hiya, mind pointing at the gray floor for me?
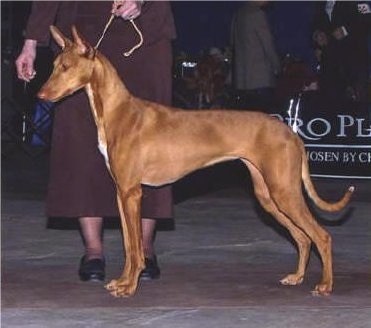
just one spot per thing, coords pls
(220, 266)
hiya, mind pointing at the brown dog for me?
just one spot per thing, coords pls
(147, 143)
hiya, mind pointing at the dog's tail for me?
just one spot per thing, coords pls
(309, 187)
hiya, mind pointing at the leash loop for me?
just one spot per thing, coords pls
(139, 44)
(129, 52)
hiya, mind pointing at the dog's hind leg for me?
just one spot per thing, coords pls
(302, 240)
(301, 216)
(129, 207)
(287, 194)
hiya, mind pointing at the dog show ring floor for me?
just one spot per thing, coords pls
(220, 265)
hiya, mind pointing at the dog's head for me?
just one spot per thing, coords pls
(73, 67)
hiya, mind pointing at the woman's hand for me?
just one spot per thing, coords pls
(25, 61)
(127, 9)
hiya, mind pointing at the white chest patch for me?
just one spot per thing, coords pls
(103, 149)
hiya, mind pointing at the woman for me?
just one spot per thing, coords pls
(80, 185)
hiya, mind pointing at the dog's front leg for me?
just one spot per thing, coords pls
(129, 207)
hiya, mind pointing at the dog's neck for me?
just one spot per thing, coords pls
(104, 88)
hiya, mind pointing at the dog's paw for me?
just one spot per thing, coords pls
(292, 280)
(112, 285)
(120, 289)
(322, 290)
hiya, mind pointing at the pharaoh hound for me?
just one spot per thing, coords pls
(147, 143)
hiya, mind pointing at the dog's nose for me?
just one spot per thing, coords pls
(41, 94)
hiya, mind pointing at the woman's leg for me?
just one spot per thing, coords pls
(151, 271)
(91, 230)
(92, 264)
(148, 231)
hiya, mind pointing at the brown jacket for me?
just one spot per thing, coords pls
(156, 21)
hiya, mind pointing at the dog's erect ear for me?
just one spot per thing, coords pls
(84, 47)
(59, 38)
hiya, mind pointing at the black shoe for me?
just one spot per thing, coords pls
(92, 270)
(151, 271)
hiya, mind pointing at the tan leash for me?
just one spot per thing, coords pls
(127, 53)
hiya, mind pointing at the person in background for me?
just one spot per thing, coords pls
(256, 63)
(80, 185)
(340, 38)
